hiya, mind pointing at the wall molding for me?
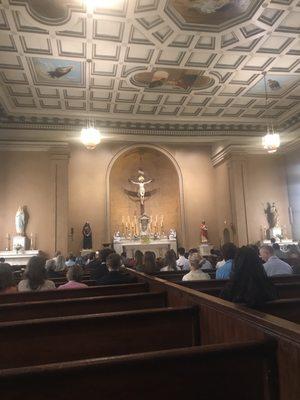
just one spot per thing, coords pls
(53, 147)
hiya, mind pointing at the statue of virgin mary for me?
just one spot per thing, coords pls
(20, 221)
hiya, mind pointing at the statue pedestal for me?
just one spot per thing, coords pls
(85, 252)
(205, 249)
(20, 241)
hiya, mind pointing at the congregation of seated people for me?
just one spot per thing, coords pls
(246, 270)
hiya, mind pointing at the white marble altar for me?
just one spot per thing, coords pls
(20, 258)
(158, 246)
(282, 244)
(20, 241)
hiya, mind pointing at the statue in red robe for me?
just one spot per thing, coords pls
(203, 233)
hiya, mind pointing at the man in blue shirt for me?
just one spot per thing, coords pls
(228, 251)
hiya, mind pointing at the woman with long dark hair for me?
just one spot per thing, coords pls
(7, 282)
(170, 261)
(248, 283)
(150, 263)
(138, 260)
(35, 277)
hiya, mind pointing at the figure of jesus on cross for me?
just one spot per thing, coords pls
(141, 193)
(141, 184)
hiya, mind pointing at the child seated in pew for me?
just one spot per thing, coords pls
(35, 277)
(74, 276)
(195, 273)
(248, 283)
(7, 284)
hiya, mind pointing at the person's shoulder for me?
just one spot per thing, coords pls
(282, 262)
(23, 283)
(206, 276)
(186, 276)
(49, 284)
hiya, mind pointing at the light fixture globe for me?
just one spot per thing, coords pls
(90, 137)
(271, 142)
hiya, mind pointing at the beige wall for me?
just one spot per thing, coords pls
(266, 182)
(26, 181)
(292, 161)
(62, 193)
(224, 214)
(198, 190)
(244, 185)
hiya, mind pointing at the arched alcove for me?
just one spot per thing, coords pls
(167, 200)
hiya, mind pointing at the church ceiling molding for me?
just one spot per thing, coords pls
(195, 62)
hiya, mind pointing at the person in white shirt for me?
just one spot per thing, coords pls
(170, 262)
(273, 265)
(182, 262)
(195, 274)
(220, 263)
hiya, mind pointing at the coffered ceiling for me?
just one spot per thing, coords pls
(179, 67)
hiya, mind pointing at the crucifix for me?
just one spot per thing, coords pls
(141, 195)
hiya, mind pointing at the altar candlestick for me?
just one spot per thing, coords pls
(7, 242)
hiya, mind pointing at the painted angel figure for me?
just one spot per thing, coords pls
(141, 184)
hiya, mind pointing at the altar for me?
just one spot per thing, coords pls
(20, 258)
(158, 246)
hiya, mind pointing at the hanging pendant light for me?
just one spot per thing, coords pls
(90, 136)
(271, 141)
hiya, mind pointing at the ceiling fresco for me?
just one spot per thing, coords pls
(214, 13)
(173, 80)
(190, 67)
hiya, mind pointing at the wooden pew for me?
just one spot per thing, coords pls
(175, 276)
(42, 341)
(224, 322)
(88, 282)
(287, 308)
(213, 287)
(80, 306)
(105, 290)
(234, 371)
(62, 280)
(288, 290)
